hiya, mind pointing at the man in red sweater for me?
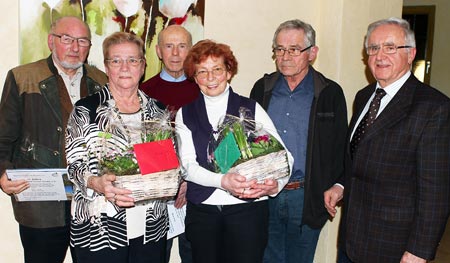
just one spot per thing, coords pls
(172, 88)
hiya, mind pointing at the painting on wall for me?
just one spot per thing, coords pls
(145, 18)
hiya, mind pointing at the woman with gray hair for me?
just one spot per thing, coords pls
(107, 225)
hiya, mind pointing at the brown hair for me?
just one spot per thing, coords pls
(208, 48)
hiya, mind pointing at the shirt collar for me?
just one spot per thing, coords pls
(305, 84)
(167, 77)
(394, 87)
(78, 74)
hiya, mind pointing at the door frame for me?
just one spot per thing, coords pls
(429, 10)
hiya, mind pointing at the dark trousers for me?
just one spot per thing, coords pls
(229, 233)
(135, 252)
(45, 245)
(184, 248)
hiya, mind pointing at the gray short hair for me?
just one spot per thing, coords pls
(121, 38)
(298, 25)
(403, 24)
(55, 24)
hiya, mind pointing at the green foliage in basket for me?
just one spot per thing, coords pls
(125, 163)
(120, 163)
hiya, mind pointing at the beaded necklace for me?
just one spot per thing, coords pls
(125, 127)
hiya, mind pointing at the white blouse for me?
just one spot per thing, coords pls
(216, 109)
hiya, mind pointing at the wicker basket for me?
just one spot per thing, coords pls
(160, 185)
(270, 166)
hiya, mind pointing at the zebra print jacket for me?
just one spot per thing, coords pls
(97, 223)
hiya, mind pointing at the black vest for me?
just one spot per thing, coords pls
(196, 119)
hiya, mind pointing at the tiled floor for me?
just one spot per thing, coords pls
(443, 253)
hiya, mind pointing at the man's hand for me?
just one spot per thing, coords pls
(331, 197)
(181, 197)
(12, 187)
(410, 258)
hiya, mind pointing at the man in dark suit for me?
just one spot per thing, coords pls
(396, 189)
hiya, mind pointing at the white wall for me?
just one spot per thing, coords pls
(248, 26)
(10, 248)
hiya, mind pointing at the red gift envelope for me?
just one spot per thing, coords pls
(156, 156)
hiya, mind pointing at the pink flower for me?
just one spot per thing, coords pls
(262, 138)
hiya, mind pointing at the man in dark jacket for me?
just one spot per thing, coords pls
(310, 114)
(36, 102)
(397, 184)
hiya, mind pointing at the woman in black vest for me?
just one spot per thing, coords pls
(227, 216)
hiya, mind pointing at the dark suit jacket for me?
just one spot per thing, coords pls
(397, 185)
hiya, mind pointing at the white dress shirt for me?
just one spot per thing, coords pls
(391, 90)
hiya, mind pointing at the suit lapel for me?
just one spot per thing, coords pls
(88, 86)
(50, 93)
(360, 102)
(396, 110)
(358, 105)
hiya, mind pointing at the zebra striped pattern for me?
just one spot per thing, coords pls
(97, 223)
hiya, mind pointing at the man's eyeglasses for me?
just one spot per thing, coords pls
(118, 62)
(292, 51)
(387, 49)
(203, 74)
(66, 39)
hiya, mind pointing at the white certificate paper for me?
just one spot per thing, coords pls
(45, 184)
(176, 220)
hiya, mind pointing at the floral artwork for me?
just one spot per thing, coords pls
(145, 18)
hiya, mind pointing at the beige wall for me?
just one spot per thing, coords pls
(10, 248)
(248, 26)
(440, 67)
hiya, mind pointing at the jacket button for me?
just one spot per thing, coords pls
(59, 129)
(43, 86)
(55, 153)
